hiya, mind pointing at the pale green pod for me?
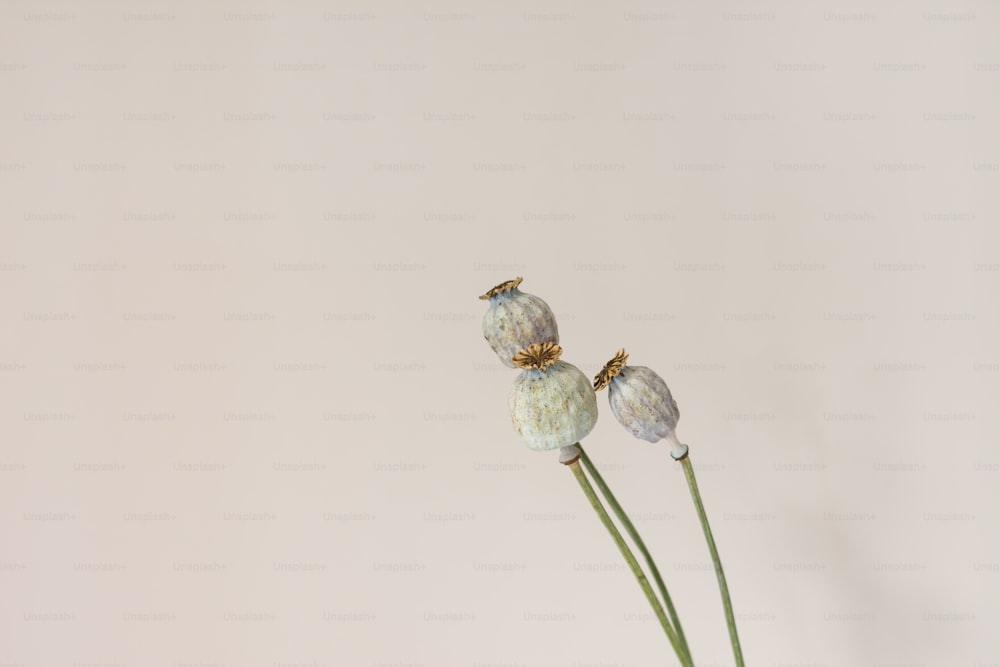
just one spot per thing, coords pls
(639, 399)
(515, 320)
(552, 403)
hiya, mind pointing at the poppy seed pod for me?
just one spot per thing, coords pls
(515, 320)
(639, 398)
(552, 403)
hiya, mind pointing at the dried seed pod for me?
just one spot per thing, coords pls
(639, 398)
(552, 403)
(515, 320)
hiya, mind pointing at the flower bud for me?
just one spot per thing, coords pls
(515, 320)
(639, 398)
(552, 403)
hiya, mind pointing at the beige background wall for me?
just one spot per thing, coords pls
(247, 415)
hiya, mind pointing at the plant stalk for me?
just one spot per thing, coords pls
(727, 603)
(634, 534)
(626, 552)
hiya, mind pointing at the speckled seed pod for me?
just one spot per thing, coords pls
(639, 398)
(552, 404)
(515, 320)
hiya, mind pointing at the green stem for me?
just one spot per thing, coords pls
(634, 534)
(633, 564)
(723, 588)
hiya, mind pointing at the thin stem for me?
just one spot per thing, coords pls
(633, 564)
(634, 534)
(723, 588)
